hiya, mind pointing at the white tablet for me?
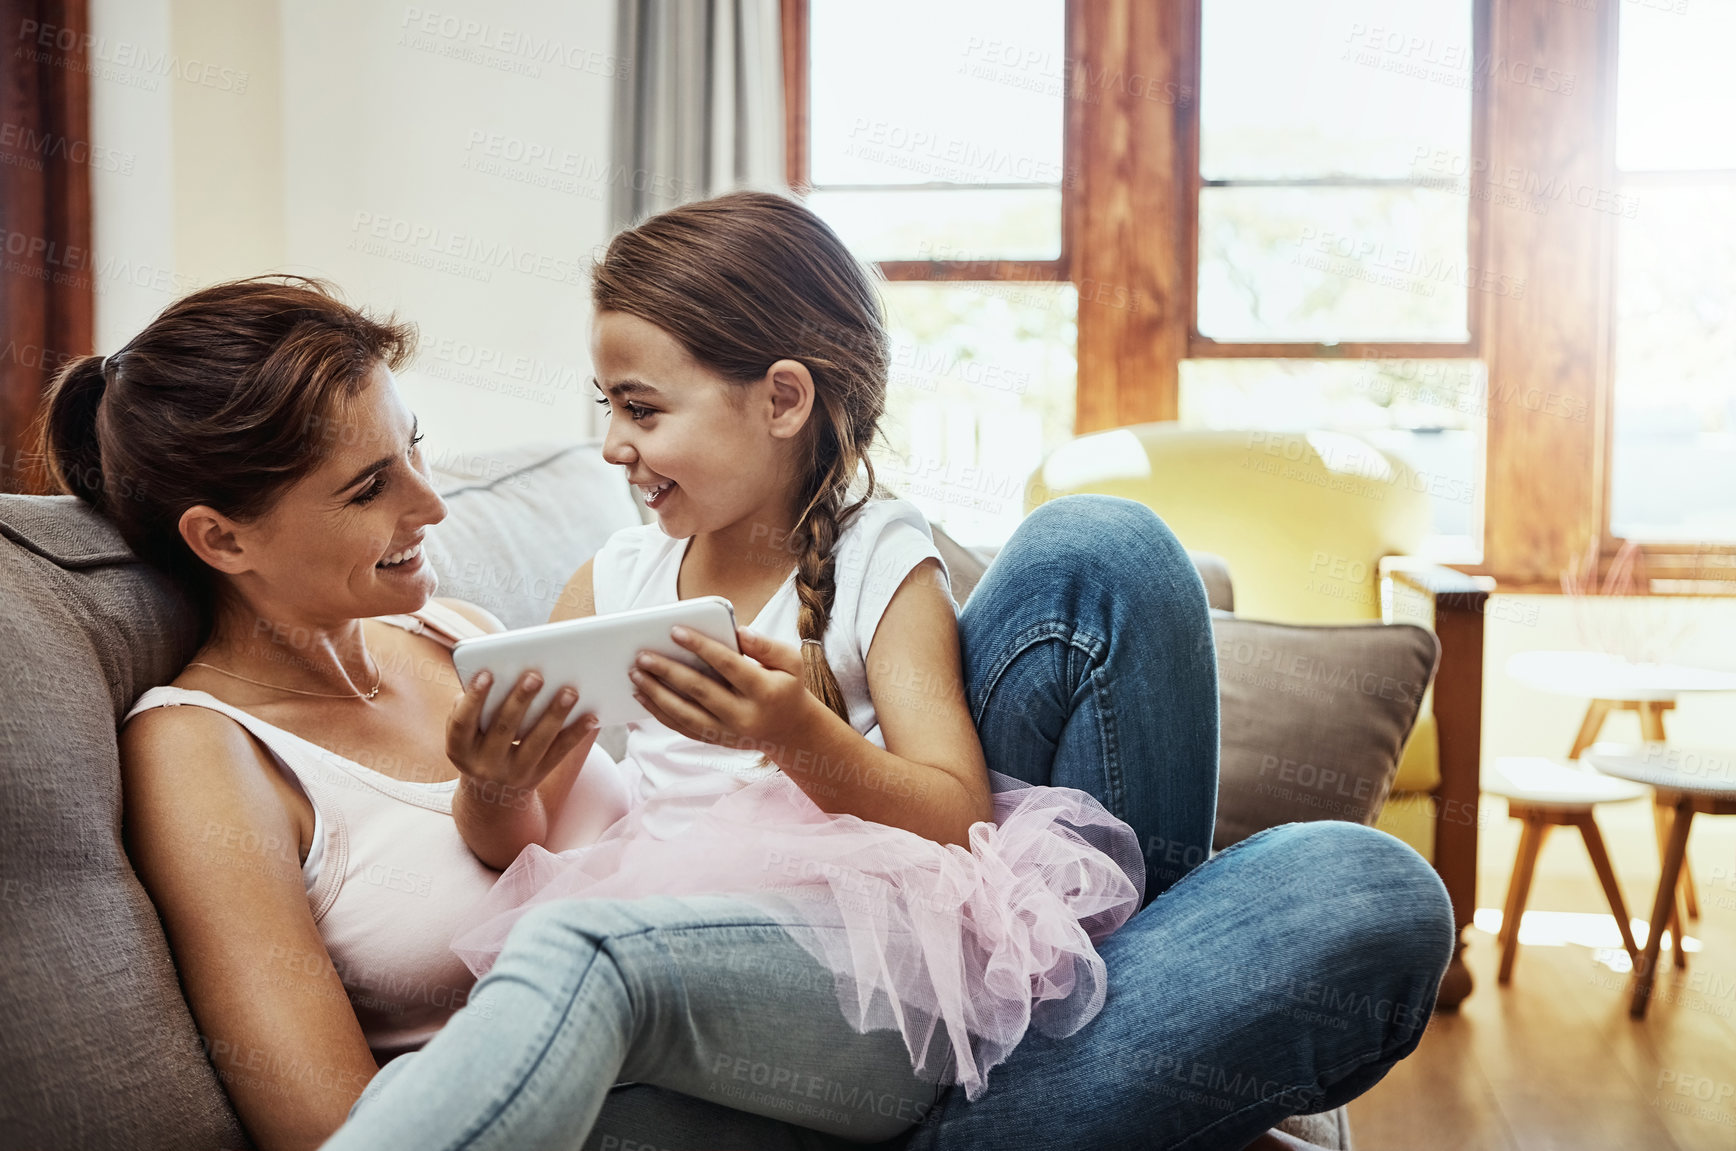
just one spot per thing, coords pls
(592, 654)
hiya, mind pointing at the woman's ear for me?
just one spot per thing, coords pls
(214, 538)
(792, 387)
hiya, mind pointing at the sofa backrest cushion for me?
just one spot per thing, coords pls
(519, 523)
(1313, 718)
(98, 1049)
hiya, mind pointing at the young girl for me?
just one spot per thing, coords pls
(832, 774)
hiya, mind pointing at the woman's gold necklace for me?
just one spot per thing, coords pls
(379, 678)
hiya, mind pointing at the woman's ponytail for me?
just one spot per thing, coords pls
(70, 441)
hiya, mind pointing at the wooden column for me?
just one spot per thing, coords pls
(1550, 106)
(1132, 93)
(794, 15)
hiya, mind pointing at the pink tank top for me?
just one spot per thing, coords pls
(388, 875)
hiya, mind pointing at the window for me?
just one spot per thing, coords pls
(1334, 150)
(1405, 219)
(1334, 216)
(1673, 447)
(953, 181)
(960, 157)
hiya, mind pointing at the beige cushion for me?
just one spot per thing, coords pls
(1313, 718)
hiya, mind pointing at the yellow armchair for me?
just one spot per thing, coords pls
(1320, 528)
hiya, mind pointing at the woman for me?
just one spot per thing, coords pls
(252, 442)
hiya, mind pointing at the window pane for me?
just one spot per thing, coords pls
(973, 103)
(1008, 224)
(1335, 88)
(1674, 100)
(1673, 462)
(981, 388)
(1428, 413)
(1336, 264)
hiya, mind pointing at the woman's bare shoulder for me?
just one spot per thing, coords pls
(173, 736)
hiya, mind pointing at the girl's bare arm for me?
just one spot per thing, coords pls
(932, 778)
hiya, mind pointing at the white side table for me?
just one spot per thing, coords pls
(1688, 780)
(1615, 684)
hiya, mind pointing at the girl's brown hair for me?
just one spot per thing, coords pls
(744, 280)
(225, 399)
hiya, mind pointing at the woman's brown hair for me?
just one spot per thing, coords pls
(225, 399)
(744, 280)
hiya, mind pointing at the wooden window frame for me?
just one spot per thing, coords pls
(1131, 167)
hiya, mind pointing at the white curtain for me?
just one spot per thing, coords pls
(701, 110)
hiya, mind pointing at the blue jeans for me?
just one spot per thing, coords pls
(1283, 975)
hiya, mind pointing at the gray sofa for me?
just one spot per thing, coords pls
(99, 1049)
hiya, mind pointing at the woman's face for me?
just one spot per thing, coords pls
(724, 448)
(322, 552)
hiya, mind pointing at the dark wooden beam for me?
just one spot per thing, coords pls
(47, 295)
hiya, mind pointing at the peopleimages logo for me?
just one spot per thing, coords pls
(502, 47)
(41, 42)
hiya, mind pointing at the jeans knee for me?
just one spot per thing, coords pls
(555, 942)
(1108, 537)
(1393, 900)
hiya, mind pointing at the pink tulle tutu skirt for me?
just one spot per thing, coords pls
(983, 943)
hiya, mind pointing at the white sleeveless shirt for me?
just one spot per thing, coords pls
(638, 566)
(388, 876)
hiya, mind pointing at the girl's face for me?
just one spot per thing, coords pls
(705, 452)
(322, 552)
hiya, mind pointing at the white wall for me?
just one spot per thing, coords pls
(449, 163)
(133, 185)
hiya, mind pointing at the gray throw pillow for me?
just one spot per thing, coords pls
(1313, 719)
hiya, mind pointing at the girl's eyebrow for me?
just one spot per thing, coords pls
(628, 388)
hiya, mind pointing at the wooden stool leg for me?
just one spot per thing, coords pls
(1590, 726)
(1652, 730)
(1530, 842)
(1606, 875)
(1678, 926)
(1674, 851)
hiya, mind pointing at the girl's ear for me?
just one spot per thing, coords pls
(792, 388)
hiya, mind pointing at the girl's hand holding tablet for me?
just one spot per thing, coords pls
(761, 699)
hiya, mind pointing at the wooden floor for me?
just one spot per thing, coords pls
(1552, 1060)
